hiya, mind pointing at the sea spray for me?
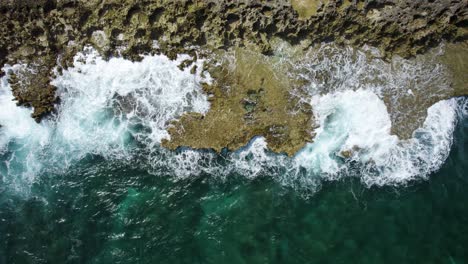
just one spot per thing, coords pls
(348, 121)
(120, 110)
(107, 109)
(407, 86)
(355, 130)
(107, 99)
(21, 138)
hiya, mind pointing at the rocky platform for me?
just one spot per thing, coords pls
(46, 34)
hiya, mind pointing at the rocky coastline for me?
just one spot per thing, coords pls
(46, 34)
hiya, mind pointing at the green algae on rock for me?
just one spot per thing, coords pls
(249, 98)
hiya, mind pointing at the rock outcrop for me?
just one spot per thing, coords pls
(47, 33)
(249, 98)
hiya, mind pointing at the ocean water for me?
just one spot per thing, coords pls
(92, 185)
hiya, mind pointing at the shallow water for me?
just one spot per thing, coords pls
(92, 185)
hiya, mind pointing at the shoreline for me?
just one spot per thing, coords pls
(47, 34)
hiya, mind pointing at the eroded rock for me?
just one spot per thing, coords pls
(52, 31)
(31, 87)
(249, 98)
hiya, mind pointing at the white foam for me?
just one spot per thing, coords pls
(107, 108)
(16, 121)
(347, 87)
(103, 100)
(253, 159)
(120, 110)
(358, 122)
(347, 120)
(21, 132)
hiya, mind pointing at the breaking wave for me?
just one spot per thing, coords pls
(120, 110)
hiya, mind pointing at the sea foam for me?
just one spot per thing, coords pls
(120, 110)
(355, 130)
(107, 109)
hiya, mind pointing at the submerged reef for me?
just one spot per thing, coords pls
(249, 97)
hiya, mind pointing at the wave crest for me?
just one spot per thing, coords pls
(120, 110)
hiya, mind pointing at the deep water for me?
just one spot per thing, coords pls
(103, 212)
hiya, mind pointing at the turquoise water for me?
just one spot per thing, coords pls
(91, 184)
(104, 212)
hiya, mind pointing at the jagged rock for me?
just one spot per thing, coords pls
(31, 87)
(53, 31)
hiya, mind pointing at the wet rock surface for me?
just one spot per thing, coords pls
(456, 59)
(249, 98)
(31, 88)
(46, 34)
